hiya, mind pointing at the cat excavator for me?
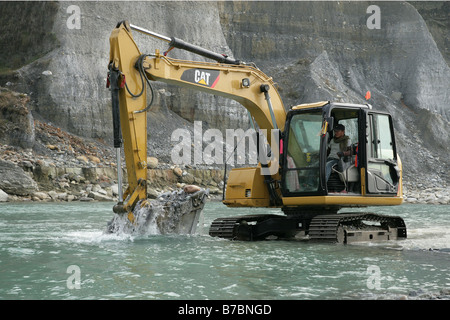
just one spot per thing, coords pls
(292, 145)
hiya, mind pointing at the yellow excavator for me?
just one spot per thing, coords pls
(293, 172)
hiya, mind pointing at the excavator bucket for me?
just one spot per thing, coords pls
(176, 212)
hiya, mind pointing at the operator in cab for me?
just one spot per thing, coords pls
(337, 148)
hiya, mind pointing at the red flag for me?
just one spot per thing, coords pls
(367, 95)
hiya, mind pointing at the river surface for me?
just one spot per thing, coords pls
(60, 251)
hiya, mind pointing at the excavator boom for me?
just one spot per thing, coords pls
(242, 83)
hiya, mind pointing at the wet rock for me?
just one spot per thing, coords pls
(115, 189)
(3, 196)
(96, 188)
(86, 199)
(53, 195)
(62, 196)
(99, 196)
(102, 192)
(41, 195)
(14, 180)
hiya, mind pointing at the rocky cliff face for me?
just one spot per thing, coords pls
(313, 50)
(400, 60)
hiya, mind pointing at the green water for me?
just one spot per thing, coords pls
(46, 247)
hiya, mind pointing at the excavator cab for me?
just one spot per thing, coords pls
(370, 166)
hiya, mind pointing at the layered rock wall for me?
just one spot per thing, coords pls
(313, 50)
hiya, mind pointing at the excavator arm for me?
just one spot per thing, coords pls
(227, 77)
(128, 94)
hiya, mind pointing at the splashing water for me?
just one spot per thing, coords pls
(176, 212)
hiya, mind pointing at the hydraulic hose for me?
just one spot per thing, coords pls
(140, 67)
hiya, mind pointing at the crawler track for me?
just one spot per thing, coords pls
(353, 227)
(253, 227)
(334, 228)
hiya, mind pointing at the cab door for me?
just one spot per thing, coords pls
(303, 143)
(382, 172)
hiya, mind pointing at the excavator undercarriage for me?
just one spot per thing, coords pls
(331, 228)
